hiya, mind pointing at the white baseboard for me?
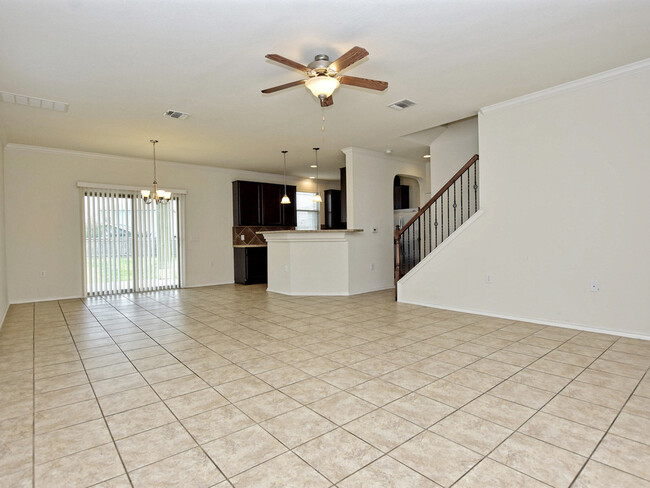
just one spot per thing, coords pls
(564, 325)
(209, 284)
(348, 294)
(38, 300)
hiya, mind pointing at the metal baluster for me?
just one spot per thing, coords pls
(425, 233)
(448, 232)
(461, 199)
(475, 190)
(429, 213)
(418, 240)
(442, 217)
(454, 206)
(469, 194)
(435, 221)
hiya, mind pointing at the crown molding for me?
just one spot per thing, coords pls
(591, 80)
(240, 173)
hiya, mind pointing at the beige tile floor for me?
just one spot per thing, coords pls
(231, 386)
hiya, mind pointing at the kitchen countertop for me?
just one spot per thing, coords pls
(307, 231)
(249, 245)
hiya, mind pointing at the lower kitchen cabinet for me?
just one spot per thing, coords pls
(250, 265)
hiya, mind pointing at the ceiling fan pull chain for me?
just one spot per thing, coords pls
(322, 127)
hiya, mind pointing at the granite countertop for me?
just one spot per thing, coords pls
(307, 231)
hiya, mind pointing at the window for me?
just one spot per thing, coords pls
(129, 245)
(307, 211)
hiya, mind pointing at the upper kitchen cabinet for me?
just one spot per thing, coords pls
(258, 204)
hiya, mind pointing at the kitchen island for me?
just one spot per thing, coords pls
(311, 262)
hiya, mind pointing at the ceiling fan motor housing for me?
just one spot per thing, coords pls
(320, 65)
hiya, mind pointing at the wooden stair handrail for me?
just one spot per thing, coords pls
(447, 185)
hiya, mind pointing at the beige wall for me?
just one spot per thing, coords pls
(451, 149)
(43, 222)
(4, 302)
(369, 179)
(564, 193)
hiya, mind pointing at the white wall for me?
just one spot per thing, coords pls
(451, 149)
(564, 192)
(369, 181)
(43, 221)
(4, 301)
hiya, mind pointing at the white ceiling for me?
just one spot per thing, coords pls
(120, 64)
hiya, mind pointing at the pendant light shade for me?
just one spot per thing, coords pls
(285, 199)
(322, 85)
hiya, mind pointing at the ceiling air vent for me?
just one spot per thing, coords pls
(175, 114)
(402, 104)
(34, 102)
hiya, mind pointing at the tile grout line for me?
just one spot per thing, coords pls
(539, 410)
(163, 402)
(607, 432)
(96, 398)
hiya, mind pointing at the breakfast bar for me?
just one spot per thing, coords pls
(310, 262)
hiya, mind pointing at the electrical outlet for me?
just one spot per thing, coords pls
(42, 274)
(488, 279)
(594, 285)
(242, 237)
(372, 266)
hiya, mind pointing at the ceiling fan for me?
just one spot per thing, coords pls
(324, 75)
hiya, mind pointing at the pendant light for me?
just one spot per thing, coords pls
(285, 199)
(158, 196)
(317, 197)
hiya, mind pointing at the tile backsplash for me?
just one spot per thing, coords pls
(251, 238)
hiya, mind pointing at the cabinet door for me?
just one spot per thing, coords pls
(247, 203)
(289, 216)
(271, 211)
(256, 265)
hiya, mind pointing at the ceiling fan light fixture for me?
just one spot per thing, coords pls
(322, 85)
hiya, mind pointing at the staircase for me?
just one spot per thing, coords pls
(447, 210)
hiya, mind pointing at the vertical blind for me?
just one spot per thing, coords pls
(130, 246)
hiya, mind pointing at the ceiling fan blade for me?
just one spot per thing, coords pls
(287, 62)
(352, 56)
(363, 83)
(326, 102)
(282, 87)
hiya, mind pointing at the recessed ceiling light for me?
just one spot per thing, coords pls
(312, 177)
(314, 166)
(388, 151)
(426, 156)
(34, 102)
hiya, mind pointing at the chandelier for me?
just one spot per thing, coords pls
(158, 196)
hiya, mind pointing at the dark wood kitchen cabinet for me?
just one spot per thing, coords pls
(250, 265)
(333, 210)
(246, 203)
(258, 204)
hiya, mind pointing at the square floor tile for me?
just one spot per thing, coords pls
(286, 471)
(382, 429)
(342, 407)
(524, 453)
(437, 458)
(419, 409)
(386, 473)
(188, 469)
(337, 454)
(298, 426)
(216, 423)
(243, 450)
(472, 432)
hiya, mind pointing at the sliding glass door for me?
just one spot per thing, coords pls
(129, 245)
